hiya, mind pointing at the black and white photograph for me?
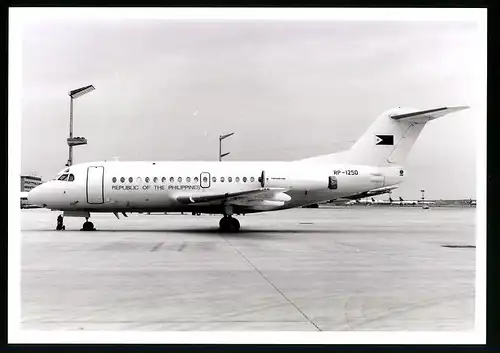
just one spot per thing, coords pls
(262, 175)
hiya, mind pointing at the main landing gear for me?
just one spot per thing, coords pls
(229, 224)
(87, 226)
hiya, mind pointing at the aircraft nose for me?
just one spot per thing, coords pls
(34, 196)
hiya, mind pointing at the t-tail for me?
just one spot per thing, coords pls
(389, 139)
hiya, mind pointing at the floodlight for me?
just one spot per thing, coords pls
(227, 135)
(81, 91)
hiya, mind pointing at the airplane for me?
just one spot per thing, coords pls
(407, 202)
(414, 202)
(382, 202)
(359, 201)
(403, 202)
(231, 188)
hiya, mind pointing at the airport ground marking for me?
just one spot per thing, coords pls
(271, 283)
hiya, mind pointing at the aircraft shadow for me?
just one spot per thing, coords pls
(216, 231)
(213, 231)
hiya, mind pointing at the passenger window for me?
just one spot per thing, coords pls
(205, 179)
(122, 179)
(114, 180)
(195, 179)
(252, 179)
(237, 179)
(179, 179)
(171, 179)
(139, 179)
(163, 179)
(188, 179)
(130, 179)
(63, 177)
(229, 179)
(146, 179)
(214, 179)
(155, 179)
(221, 179)
(71, 177)
(244, 179)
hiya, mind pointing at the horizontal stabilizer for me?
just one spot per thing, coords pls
(427, 115)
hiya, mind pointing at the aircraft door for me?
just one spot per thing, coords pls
(95, 185)
(205, 180)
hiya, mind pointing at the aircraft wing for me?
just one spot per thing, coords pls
(427, 115)
(260, 194)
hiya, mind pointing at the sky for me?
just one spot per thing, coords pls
(166, 89)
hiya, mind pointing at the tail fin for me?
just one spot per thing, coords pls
(400, 198)
(390, 199)
(390, 138)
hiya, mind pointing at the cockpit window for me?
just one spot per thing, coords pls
(71, 177)
(63, 177)
(60, 174)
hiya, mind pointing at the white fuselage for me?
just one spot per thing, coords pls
(122, 186)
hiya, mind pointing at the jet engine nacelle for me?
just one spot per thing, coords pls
(311, 184)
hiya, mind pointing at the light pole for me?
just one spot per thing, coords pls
(75, 141)
(222, 137)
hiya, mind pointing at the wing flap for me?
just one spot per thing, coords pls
(254, 194)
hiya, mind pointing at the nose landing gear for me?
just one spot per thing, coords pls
(87, 226)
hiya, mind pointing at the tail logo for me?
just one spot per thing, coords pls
(384, 140)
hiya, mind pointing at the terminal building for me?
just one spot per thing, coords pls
(29, 182)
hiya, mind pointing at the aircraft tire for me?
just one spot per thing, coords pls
(234, 225)
(88, 226)
(229, 224)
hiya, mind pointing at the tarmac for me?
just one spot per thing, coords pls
(327, 269)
